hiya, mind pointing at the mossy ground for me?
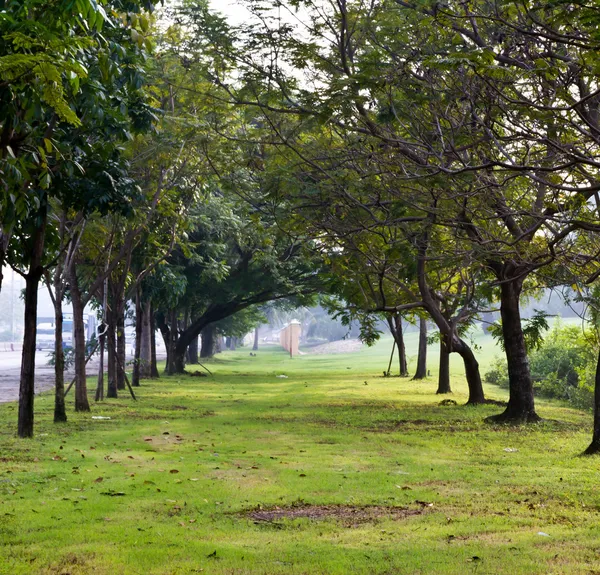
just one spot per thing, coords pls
(162, 486)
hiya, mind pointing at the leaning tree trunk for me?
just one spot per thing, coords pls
(594, 447)
(255, 346)
(421, 372)
(444, 373)
(81, 399)
(476, 395)
(153, 365)
(208, 341)
(520, 406)
(32, 280)
(60, 413)
(111, 345)
(139, 320)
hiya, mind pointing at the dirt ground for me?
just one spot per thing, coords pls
(341, 346)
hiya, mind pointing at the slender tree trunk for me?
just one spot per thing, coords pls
(395, 325)
(60, 413)
(444, 373)
(111, 345)
(145, 355)
(139, 319)
(81, 398)
(476, 395)
(100, 384)
(175, 361)
(121, 343)
(193, 352)
(520, 407)
(255, 346)
(32, 280)
(153, 366)
(594, 446)
(207, 348)
(421, 372)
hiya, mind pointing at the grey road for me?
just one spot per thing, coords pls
(10, 369)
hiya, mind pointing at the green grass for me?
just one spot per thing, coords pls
(121, 496)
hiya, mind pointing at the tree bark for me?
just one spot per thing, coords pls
(139, 319)
(193, 352)
(395, 325)
(175, 363)
(232, 343)
(594, 446)
(255, 346)
(111, 345)
(153, 366)
(81, 398)
(421, 372)
(208, 341)
(520, 408)
(444, 373)
(60, 413)
(32, 280)
(145, 356)
(100, 384)
(476, 395)
(121, 343)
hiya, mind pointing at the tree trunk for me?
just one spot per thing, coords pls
(421, 372)
(255, 346)
(153, 367)
(476, 395)
(100, 384)
(121, 343)
(232, 343)
(139, 319)
(111, 345)
(81, 399)
(520, 407)
(208, 341)
(145, 355)
(395, 325)
(444, 373)
(32, 280)
(175, 362)
(60, 413)
(594, 447)
(193, 352)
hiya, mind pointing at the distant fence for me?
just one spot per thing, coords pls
(289, 338)
(10, 346)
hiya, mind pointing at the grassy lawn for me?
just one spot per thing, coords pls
(188, 479)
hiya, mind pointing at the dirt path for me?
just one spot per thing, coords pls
(341, 346)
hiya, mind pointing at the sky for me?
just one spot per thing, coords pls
(231, 9)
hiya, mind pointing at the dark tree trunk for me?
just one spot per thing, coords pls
(32, 280)
(255, 346)
(594, 447)
(193, 352)
(421, 372)
(145, 355)
(444, 373)
(175, 362)
(81, 398)
(111, 345)
(395, 325)
(121, 343)
(60, 413)
(139, 319)
(208, 341)
(153, 366)
(232, 343)
(476, 395)
(520, 407)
